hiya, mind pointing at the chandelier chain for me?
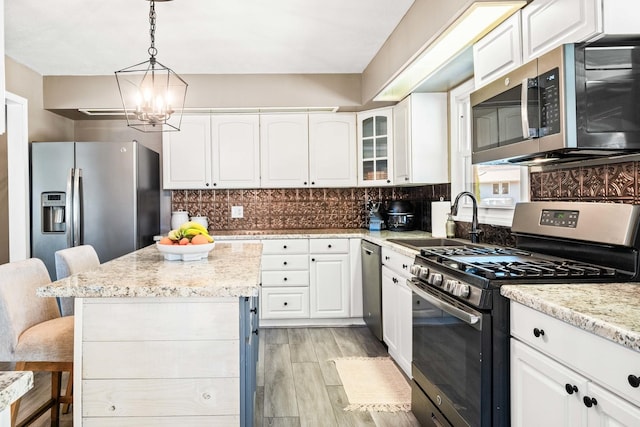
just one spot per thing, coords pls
(152, 29)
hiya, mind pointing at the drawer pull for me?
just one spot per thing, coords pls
(387, 258)
(538, 332)
(284, 247)
(571, 388)
(313, 260)
(112, 408)
(285, 279)
(206, 396)
(286, 303)
(405, 266)
(633, 381)
(589, 401)
(254, 310)
(285, 263)
(394, 280)
(255, 331)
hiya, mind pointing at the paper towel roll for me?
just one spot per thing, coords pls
(439, 211)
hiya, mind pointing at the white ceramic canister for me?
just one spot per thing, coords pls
(178, 218)
(202, 220)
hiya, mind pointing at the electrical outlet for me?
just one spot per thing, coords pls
(237, 212)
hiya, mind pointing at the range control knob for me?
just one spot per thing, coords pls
(415, 269)
(424, 273)
(450, 285)
(464, 290)
(435, 279)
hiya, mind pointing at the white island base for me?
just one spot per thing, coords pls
(158, 362)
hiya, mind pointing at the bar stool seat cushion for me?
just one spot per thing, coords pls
(49, 340)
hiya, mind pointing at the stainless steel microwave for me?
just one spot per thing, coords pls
(577, 101)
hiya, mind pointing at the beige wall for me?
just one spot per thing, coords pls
(422, 23)
(43, 125)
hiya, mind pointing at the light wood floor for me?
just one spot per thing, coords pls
(297, 383)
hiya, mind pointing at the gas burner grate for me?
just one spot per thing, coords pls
(535, 268)
(471, 251)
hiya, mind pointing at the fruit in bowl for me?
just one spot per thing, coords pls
(190, 242)
(189, 233)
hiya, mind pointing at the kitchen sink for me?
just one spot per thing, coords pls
(426, 243)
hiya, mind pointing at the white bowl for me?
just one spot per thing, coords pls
(185, 252)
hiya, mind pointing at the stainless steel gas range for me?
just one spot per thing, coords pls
(461, 322)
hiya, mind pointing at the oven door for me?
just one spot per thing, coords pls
(451, 356)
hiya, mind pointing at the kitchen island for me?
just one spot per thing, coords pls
(165, 342)
(13, 385)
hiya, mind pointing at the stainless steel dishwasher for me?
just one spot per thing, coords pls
(372, 287)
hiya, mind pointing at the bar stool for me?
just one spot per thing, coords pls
(71, 261)
(32, 332)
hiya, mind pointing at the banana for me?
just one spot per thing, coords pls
(193, 225)
(174, 235)
(190, 232)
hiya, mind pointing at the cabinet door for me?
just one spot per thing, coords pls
(539, 395)
(498, 52)
(375, 152)
(284, 153)
(235, 151)
(332, 150)
(329, 285)
(610, 410)
(405, 326)
(186, 154)
(549, 23)
(389, 311)
(401, 142)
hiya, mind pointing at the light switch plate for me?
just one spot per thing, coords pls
(237, 212)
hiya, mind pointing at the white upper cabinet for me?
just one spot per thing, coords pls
(186, 154)
(375, 151)
(420, 140)
(332, 150)
(284, 140)
(498, 52)
(235, 150)
(550, 23)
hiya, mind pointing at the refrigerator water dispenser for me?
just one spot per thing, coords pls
(53, 212)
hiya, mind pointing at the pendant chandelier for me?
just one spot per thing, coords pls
(153, 95)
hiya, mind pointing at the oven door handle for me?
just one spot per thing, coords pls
(468, 318)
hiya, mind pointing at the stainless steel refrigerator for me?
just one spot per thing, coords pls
(104, 194)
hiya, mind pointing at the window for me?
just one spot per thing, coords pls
(497, 187)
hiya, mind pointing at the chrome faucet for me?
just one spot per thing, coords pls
(475, 231)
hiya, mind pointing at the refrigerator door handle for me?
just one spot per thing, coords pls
(77, 198)
(68, 208)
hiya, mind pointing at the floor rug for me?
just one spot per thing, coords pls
(374, 384)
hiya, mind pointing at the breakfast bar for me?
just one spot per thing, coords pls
(162, 342)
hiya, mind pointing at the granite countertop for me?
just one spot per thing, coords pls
(13, 385)
(232, 269)
(610, 310)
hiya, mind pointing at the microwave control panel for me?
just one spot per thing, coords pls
(559, 218)
(549, 87)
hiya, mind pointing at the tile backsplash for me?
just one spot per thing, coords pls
(302, 208)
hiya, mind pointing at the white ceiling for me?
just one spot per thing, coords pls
(98, 37)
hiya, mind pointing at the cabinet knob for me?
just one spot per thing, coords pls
(633, 381)
(329, 246)
(286, 303)
(284, 247)
(394, 280)
(405, 266)
(206, 184)
(387, 258)
(206, 396)
(313, 260)
(285, 279)
(254, 310)
(305, 183)
(215, 184)
(112, 408)
(571, 388)
(538, 332)
(285, 263)
(589, 401)
(255, 331)
(313, 183)
(388, 181)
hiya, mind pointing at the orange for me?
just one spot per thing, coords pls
(166, 241)
(199, 239)
(184, 241)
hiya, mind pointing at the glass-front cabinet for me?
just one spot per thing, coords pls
(375, 147)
